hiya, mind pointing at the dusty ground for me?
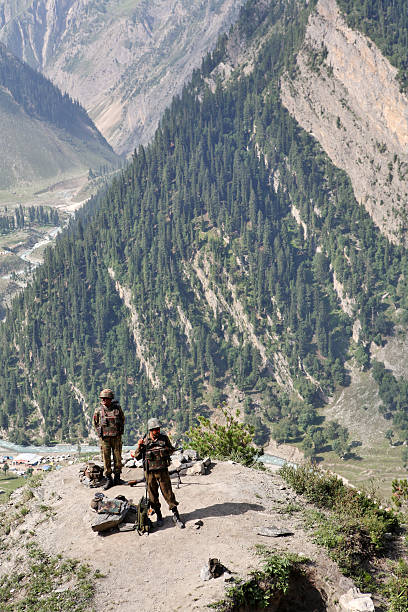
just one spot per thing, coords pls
(161, 571)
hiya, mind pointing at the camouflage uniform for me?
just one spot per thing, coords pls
(109, 423)
(157, 459)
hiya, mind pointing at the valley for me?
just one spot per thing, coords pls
(22, 249)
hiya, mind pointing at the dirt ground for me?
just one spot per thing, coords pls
(161, 571)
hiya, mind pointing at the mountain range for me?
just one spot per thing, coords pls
(123, 60)
(253, 252)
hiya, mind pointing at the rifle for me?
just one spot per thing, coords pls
(136, 481)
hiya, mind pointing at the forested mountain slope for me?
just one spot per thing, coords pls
(124, 60)
(43, 132)
(231, 256)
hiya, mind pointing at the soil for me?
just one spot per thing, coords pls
(161, 571)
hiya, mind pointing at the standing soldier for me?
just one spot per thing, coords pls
(156, 448)
(109, 422)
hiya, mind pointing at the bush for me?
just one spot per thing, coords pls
(396, 589)
(354, 528)
(232, 440)
(264, 587)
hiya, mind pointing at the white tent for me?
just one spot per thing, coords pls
(27, 458)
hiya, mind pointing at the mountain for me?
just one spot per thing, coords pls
(123, 60)
(44, 133)
(234, 258)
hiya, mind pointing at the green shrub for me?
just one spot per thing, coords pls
(264, 587)
(396, 589)
(47, 584)
(353, 526)
(231, 440)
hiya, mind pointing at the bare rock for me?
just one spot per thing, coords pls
(190, 455)
(354, 601)
(273, 532)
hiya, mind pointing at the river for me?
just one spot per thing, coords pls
(47, 239)
(9, 447)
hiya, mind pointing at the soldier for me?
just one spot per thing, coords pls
(156, 448)
(109, 422)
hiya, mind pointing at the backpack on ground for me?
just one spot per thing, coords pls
(143, 523)
(91, 474)
(109, 512)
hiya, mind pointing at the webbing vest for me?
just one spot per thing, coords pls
(111, 420)
(157, 454)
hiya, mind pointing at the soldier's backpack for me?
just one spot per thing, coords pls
(91, 474)
(143, 523)
(109, 512)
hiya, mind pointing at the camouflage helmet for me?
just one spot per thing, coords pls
(106, 393)
(153, 424)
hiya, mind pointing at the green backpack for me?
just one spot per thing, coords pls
(143, 523)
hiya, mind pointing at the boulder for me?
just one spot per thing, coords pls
(190, 455)
(197, 468)
(354, 601)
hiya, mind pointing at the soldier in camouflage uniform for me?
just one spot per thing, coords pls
(155, 448)
(109, 422)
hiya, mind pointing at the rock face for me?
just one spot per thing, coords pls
(346, 94)
(122, 60)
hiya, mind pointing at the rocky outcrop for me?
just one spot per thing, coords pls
(123, 61)
(346, 94)
(125, 295)
(273, 360)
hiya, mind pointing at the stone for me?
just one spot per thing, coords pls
(190, 455)
(207, 462)
(355, 601)
(273, 532)
(228, 577)
(205, 573)
(197, 468)
(176, 463)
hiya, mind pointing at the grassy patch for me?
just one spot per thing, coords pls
(46, 584)
(396, 587)
(10, 484)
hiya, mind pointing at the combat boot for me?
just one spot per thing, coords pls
(176, 519)
(159, 518)
(108, 484)
(117, 480)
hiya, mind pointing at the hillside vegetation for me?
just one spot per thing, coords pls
(230, 254)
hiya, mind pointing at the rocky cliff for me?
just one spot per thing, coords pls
(346, 94)
(123, 60)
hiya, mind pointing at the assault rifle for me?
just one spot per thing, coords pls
(133, 483)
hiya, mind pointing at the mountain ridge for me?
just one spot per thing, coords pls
(124, 61)
(230, 254)
(45, 133)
